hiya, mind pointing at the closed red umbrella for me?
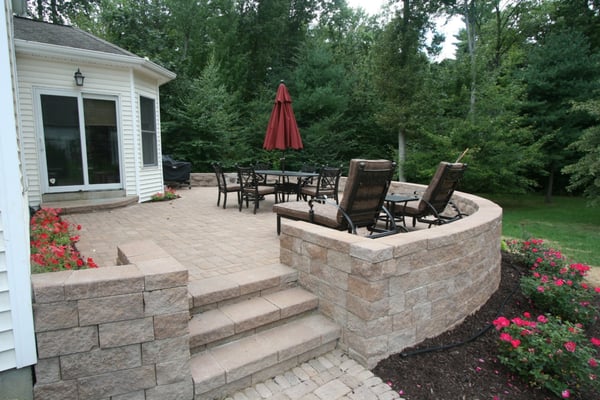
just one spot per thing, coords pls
(282, 130)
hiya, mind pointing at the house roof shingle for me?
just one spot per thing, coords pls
(63, 35)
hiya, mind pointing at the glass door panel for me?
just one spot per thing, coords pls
(102, 141)
(62, 140)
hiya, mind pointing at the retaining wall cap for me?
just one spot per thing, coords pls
(487, 211)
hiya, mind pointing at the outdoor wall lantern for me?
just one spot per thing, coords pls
(78, 77)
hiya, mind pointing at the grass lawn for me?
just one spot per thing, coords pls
(566, 224)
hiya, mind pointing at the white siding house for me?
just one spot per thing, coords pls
(61, 138)
(102, 136)
(17, 343)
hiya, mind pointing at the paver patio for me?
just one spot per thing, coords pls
(211, 241)
(207, 239)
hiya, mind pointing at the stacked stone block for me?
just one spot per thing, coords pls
(114, 333)
(393, 292)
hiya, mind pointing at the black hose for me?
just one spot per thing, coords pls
(472, 338)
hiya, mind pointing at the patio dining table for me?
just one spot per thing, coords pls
(284, 186)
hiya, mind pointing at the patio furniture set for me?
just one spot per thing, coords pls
(365, 201)
(256, 182)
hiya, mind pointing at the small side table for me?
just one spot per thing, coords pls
(392, 200)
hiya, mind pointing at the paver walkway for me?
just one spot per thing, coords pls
(213, 241)
(329, 377)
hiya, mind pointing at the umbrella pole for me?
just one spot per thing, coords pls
(282, 161)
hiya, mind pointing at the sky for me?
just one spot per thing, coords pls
(450, 29)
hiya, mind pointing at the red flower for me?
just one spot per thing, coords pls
(501, 322)
(570, 346)
(505, 337)
(595, 341)
(593, 363)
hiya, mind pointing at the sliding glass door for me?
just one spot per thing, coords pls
(80, 142)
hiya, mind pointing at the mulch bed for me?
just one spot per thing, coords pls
(469, 371)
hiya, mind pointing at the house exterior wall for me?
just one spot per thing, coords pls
(150, 177)
(17, 343)
(35, 74)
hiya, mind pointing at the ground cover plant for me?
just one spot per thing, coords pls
(53, 243)
(168, 194)
(512, 348)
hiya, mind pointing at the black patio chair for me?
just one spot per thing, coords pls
(327, 185)
(251, 188)
(224, 187)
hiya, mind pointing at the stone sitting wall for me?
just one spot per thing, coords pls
(118, 333)
(393, 292)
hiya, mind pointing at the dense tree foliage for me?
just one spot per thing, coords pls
(521, 93)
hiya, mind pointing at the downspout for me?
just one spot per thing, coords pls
(135, 120)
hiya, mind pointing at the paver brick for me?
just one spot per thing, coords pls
(63, 390)
(183, 390)
(251, 314)
(51, 316)
(332, 390)
(110, 309)
(66, 341)
(171, 325)
(47, 370)
(263, 390)
(104, 282)
(116, 334)
(166, 301)
(117, 382)
(166, 350)
(99, 361)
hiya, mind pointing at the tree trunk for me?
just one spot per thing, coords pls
(40, 10)
(470, 23)
(401, 155)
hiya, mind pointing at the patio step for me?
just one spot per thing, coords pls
(250, 326)
(224, 369)
(210, 293)
(231, 321)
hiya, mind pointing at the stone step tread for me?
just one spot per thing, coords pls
(235, 318)
(240, 359)
(222, 288)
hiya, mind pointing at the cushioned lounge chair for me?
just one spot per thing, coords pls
(362, 201)
(224, 187)
(434, 206)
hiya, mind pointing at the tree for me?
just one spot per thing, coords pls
(585, 173)
(202, 127)
(62, 11)
(401, 68)
(561, 70)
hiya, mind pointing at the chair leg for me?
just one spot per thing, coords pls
(278, 224)
(219, 199)
(225, 200)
